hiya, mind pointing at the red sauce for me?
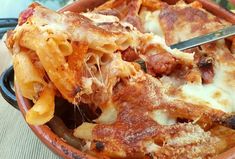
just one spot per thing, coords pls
(25, 15)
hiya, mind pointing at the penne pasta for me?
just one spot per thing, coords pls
(29, 79)
(43, 109)
(54, 63)
(90, 58)
(75, 60)
(84, 131)
(65, 48)
(106, 47)
(105, 59)
(57, 69)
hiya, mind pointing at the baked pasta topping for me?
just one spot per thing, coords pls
(178, 107)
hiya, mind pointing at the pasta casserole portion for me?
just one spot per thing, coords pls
(178, 107)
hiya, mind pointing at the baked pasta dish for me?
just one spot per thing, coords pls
(180, 105)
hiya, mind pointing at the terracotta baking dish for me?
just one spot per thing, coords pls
(59, 146)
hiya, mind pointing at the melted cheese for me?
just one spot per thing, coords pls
(162, 117)
(119, 68)
(109, 114)
(218, 95)
(151, 147)
(195, 135)
(186, 57)
(51, 23)
(208, 95)
(151, 22)
(100, 18)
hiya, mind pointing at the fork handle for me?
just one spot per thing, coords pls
(8, 22)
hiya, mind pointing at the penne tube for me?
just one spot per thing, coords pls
(105, 59)
(54, 63)
(75, 60)
(107, 48)
(84, 131)
(28, 77)
(43, 109)
(57, 69)
(65, 48)
(90, 58)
